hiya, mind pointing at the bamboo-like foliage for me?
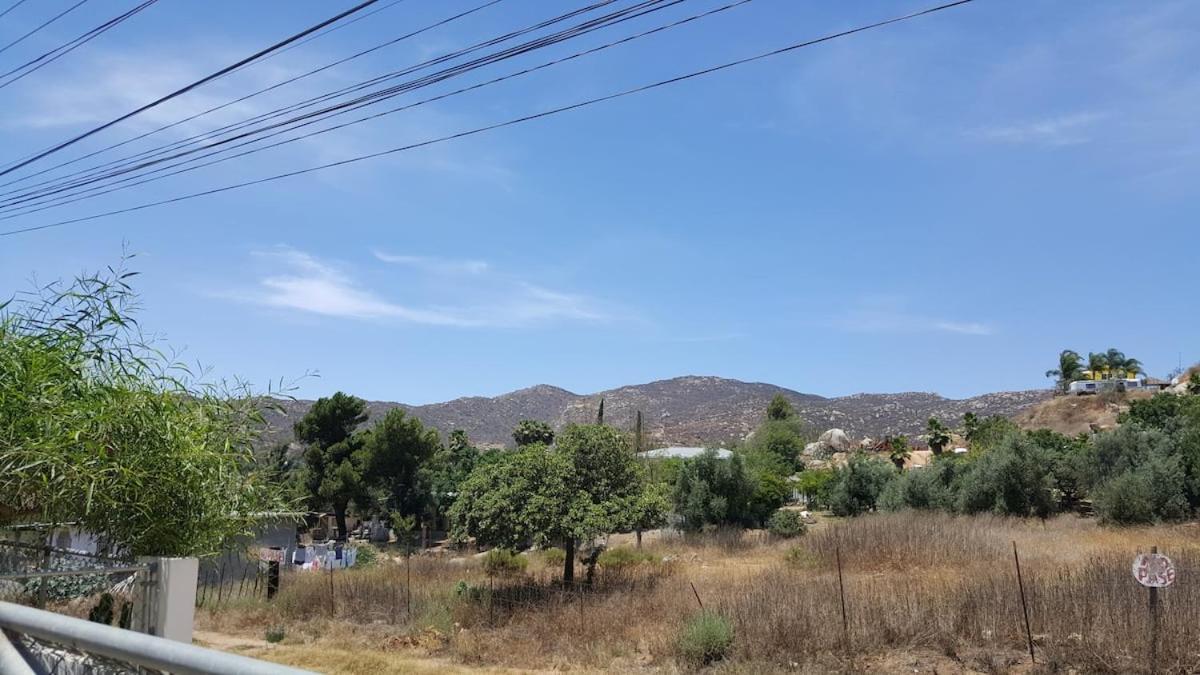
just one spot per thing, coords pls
(99, 426)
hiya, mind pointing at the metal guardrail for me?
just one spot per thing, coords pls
(129, 647)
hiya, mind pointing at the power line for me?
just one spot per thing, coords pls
(96, 192)
(613, 18)
(12, 7)
(186, 89)
(87, 176)
(499, 125)
(308, 102)
(49, 21)
(62, 50)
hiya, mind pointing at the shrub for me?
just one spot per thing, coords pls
(501, 562)
(367, 556)
(785, 524)
(1014, 478)
(706, 637)
(930, 488)
(275, 634)
(799, 556)
(623, 558)
(554, 556)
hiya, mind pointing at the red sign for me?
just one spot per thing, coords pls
(1153, 570)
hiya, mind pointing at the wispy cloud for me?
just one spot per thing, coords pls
(888, 314)
(304, 283)
(435, 264)
(309, 285)
(1051, 131)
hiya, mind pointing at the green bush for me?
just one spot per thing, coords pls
(706, 637)
(623, 558)
(1125, 500)
(785, 524)
(931, 487)
(501, 562)
(368, 556)
(799, 556)
(1014, 478)
(275, 634)
(553, 556)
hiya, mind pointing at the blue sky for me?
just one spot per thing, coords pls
(940, 205)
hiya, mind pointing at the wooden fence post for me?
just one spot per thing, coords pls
(842, 593)
(1024, 605)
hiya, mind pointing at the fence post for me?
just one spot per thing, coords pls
(842, 593)
(272, 578)
(698, 602)
(1153, 623)
(1024, 605)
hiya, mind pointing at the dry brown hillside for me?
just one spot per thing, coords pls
(1072, 415)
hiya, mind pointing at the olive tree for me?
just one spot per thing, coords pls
(586, 485)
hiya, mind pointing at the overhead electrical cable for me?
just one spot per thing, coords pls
(15, 5)
(498, 125)
(57, 53)
(89, 176)
(314, 100)
(49, 21)
(179, 92)
(613, 18)
(108, 189)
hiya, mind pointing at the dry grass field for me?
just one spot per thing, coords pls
(925, 592)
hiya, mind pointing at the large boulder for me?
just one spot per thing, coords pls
(833, 440)
(836, 439)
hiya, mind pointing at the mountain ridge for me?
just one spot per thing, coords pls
(689, 409)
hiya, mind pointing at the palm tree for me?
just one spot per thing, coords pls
(1131, 366)
(1115, 358)
(1097, 363)
(1070, 368)
(898, 450)
(939, 435)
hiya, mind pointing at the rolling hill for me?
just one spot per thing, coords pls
(690, 410)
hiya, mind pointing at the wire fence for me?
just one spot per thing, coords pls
(41, 574)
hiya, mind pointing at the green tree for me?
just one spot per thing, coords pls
(939, 435)
(650, 510)
(815, 484)
(858, 484)
(1070, 368)
(985, 433)
(333, 463)
(1097, 364)
(780, 409)
(98, 428)
(713, 491)
(395, 452)
(449, 468)
(586, 485)
(531, 432)
(600, 413)
(1013, 478)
